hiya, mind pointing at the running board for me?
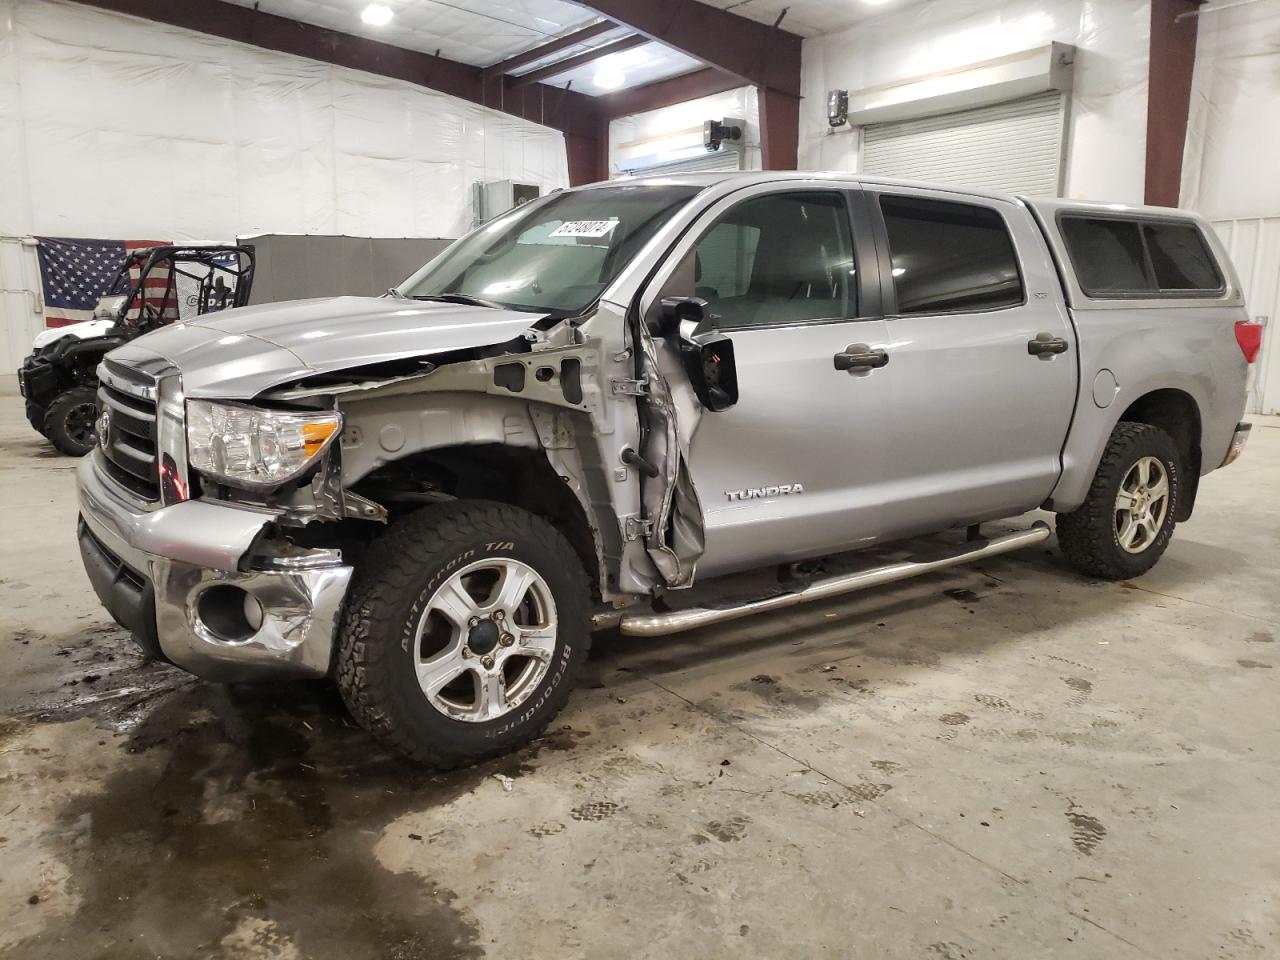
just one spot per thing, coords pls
(677, 621)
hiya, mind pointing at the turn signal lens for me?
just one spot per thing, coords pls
(315, 436)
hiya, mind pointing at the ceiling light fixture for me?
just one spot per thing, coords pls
(609, 77)
(376, 15)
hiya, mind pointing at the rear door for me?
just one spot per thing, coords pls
(982, 363)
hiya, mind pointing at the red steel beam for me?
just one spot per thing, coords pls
(578, 60)
(756, 53)
(1173, 58)
(550, 47)
(664, 93)
(779, 130)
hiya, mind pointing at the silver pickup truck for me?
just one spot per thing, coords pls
(571, 414)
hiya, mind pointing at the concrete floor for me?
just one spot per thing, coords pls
(1003, 761)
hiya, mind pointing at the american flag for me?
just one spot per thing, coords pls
(74, 273)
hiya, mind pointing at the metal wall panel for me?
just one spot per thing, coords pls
(294, 267)
(1254, 246)
(1015, 147)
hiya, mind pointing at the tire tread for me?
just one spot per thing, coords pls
(388, 570)
(1086, 534)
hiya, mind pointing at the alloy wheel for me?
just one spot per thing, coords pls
(485, 639)
(1141, 505)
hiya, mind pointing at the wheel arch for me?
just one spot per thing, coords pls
(521, 476)
(1177, 413)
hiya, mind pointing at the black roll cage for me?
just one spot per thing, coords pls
(234, 260)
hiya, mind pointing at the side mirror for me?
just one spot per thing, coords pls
(707, 357)
(679, 313)
(111, 308)
(713, 374)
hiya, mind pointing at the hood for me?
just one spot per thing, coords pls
(77, 331)
(240, 353)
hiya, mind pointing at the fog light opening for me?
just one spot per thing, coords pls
(229, 613)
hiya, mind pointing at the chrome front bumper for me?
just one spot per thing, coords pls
(151, 567)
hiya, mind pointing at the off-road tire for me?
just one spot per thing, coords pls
(374, 665)
(35, 416)
(58, 420)
(1088, 535)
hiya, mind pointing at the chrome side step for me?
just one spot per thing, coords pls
(677, 621)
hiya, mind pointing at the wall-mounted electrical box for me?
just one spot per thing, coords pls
(492, 197)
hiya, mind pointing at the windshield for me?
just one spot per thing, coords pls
(557, 257)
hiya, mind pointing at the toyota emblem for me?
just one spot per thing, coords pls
(104, 427)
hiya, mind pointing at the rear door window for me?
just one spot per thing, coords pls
(950, 257)
(1119, 257)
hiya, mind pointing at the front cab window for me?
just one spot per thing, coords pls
(774, 259)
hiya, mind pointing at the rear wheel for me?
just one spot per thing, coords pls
(1125, 523)
(71, 419)
(464, 631)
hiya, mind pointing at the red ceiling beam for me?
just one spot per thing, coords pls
(665, 93)
(550, 47)
(1172, 61)
(572, 63)
(564, 110)
(765, 56)
(756, 53)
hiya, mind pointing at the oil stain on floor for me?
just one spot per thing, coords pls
(245, 821)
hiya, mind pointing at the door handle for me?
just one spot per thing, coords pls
(1046, 345)
(860, 357)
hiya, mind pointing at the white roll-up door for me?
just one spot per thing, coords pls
(724, 159)
(1015, 147)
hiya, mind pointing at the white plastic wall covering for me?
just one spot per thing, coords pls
(1254, 247)
(727, 158)
(1233, 132)
(20, 301)
(1015, 147)
(122, 128)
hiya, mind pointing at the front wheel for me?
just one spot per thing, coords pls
(71, 420)
(466, 626)
(1125, 523)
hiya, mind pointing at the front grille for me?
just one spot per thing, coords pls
(130, 452)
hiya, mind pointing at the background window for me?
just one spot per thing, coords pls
(949, 256)
(781, 258)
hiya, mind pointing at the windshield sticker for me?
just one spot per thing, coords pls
(585, 228)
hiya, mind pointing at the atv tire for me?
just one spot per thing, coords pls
(71, 421)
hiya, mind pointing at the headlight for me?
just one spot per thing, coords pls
(254, 447)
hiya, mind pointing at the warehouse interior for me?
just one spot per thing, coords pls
(1007, 758)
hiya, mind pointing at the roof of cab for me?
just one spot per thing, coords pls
(1047, 206)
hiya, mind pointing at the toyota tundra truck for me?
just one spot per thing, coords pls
(586, 405)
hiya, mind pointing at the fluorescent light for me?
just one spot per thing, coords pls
(609, 77)
(899, 271)
(377, 15)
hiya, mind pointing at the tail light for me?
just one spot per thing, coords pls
(1249, 336)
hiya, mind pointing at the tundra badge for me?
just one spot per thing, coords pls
(760, 493)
